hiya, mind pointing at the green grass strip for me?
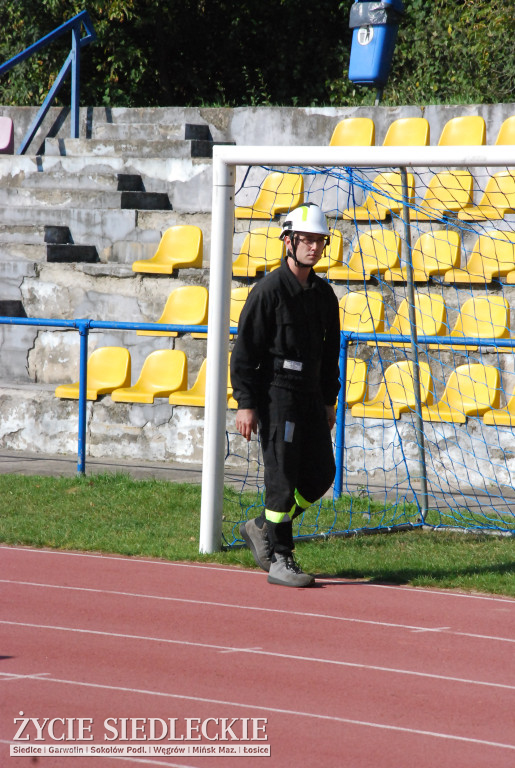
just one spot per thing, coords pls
(152, 518)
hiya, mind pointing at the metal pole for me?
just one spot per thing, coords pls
(220, 273)
(75, 84)
(83, 326)
(340, 417)
(419, 423)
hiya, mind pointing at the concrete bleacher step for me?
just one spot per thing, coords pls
(186, 181)
(31, 252)
(83, 198)
(176, 148)
(99, 227)
(17, 234)
(141, 131)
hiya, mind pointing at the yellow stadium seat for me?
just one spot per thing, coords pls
(396, 393)
(430, 319)
(498, 199)
(107, 369)
(407, 132)
(163, 371)
(374, 253)
(502, 417)
(238, 298)
(362, 312)
(333, 253)
(385, 198)
(493, 256)
(467, 130)
(180, 246)
(471, 390)
(187, 305)
(354, 132)
(196, 395)
(447, 192)
(506, 133)
(279, 193)
(481, 317)
(231, 402)
(356, 381)
(262, 250)
(434, 253)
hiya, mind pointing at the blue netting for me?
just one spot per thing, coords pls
(446, 459)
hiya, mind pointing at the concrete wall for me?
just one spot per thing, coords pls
(262, 126)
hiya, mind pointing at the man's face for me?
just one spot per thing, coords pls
(310, 247)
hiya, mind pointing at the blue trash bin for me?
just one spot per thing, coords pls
(375, 25)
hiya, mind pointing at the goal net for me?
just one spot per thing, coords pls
(422, 260)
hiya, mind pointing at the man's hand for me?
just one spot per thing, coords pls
(246, 422)
(331, 415)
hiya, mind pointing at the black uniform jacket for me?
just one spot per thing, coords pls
(288, 336)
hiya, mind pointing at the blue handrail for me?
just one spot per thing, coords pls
(72, 61)
(83, 326)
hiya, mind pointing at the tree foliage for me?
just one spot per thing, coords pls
(221, 52)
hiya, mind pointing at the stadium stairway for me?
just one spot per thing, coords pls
(73, 217)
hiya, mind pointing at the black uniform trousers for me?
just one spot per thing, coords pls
(297, 455)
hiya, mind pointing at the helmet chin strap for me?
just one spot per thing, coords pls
(293, 254)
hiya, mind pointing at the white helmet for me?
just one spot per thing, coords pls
(306, 218)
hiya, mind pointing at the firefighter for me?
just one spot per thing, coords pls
(285, 378)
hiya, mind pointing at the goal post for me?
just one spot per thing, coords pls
(226, 160)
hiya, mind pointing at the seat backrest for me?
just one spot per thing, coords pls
(262, 247)
(406, 132)
(467, 130)
(187, 305)
(495, 252)
(279, 193)
(387, 191)
(237, 302)
(500, 190)
(354, 132)
(400, 384)
(506, 133)
(378, 249)
(109, 367)
(163, 369)
(449, 191)
(6, 135)
(333, 253)
(356, 381)
(430, 315)
(199, 385)
(437, 251)
(362, 311)
(485, 317)
(181, 243)
(473, 387)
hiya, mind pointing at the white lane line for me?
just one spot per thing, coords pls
(252, 572)
(235, 606)
(7, 677)
(295, 713)
(261, 652)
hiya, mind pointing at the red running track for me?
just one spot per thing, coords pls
(345, 674)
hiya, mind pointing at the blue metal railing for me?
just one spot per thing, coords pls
(83, 326)
(72, 62)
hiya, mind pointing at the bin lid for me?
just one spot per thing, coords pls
(375, 13)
